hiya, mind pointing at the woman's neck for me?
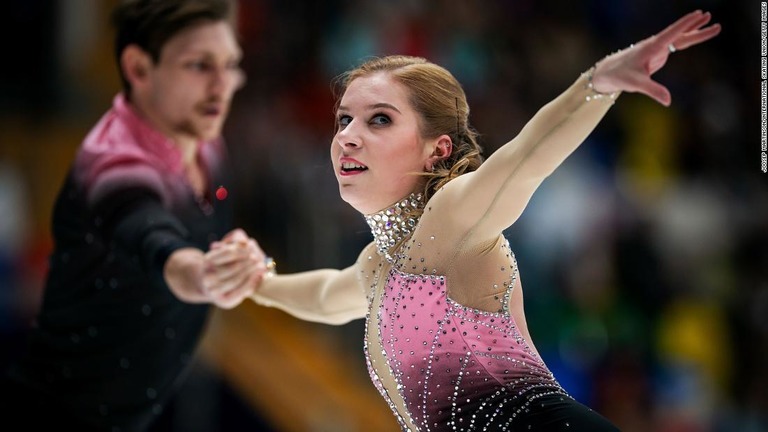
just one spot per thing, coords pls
(391, 226)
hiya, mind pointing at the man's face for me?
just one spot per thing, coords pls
(190, 88)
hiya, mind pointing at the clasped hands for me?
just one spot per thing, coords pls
(234, 268)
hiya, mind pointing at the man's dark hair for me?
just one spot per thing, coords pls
(151, 23)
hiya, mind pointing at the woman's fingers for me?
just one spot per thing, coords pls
(224, 267)
(231, 272)
(236, 296)
(235, 266)
(687, 32)
(631, 69)
(222, 281)
(224, 252)
(655, 91)
(224, 273)
(690, 39)
(236, 234)
(228, 252)
(674, 30)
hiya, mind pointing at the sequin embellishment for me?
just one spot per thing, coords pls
(393, 224)
(455, 367)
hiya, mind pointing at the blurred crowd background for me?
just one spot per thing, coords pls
(644, 257)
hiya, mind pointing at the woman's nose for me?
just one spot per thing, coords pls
(347, 137)
(348, 144)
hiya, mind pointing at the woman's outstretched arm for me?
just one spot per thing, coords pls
(327, 296)
(491, 199)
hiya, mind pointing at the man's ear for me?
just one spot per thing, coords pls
(136, 64)
(442, 150)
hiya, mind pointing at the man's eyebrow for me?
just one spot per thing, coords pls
(196, 51)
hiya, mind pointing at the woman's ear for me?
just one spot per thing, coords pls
(442, 149)
(136, 64)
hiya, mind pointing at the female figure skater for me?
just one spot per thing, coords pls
(446, 339)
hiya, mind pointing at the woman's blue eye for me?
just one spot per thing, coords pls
(345, 120)
(380, 119)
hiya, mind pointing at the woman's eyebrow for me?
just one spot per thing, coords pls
(374, 106)
(384, 105)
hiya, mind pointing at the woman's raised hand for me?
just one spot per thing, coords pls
(631, 69)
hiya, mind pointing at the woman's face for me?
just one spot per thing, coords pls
(378, 148)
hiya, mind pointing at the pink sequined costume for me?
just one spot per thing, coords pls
(454, 366)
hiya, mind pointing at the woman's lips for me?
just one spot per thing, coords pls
(351, 167)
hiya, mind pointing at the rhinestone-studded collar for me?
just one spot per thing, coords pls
(393, 224)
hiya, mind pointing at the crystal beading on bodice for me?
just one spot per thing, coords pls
(442, 366)
(395, 223)
(454, 367)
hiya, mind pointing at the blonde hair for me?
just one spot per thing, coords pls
(440, 101)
